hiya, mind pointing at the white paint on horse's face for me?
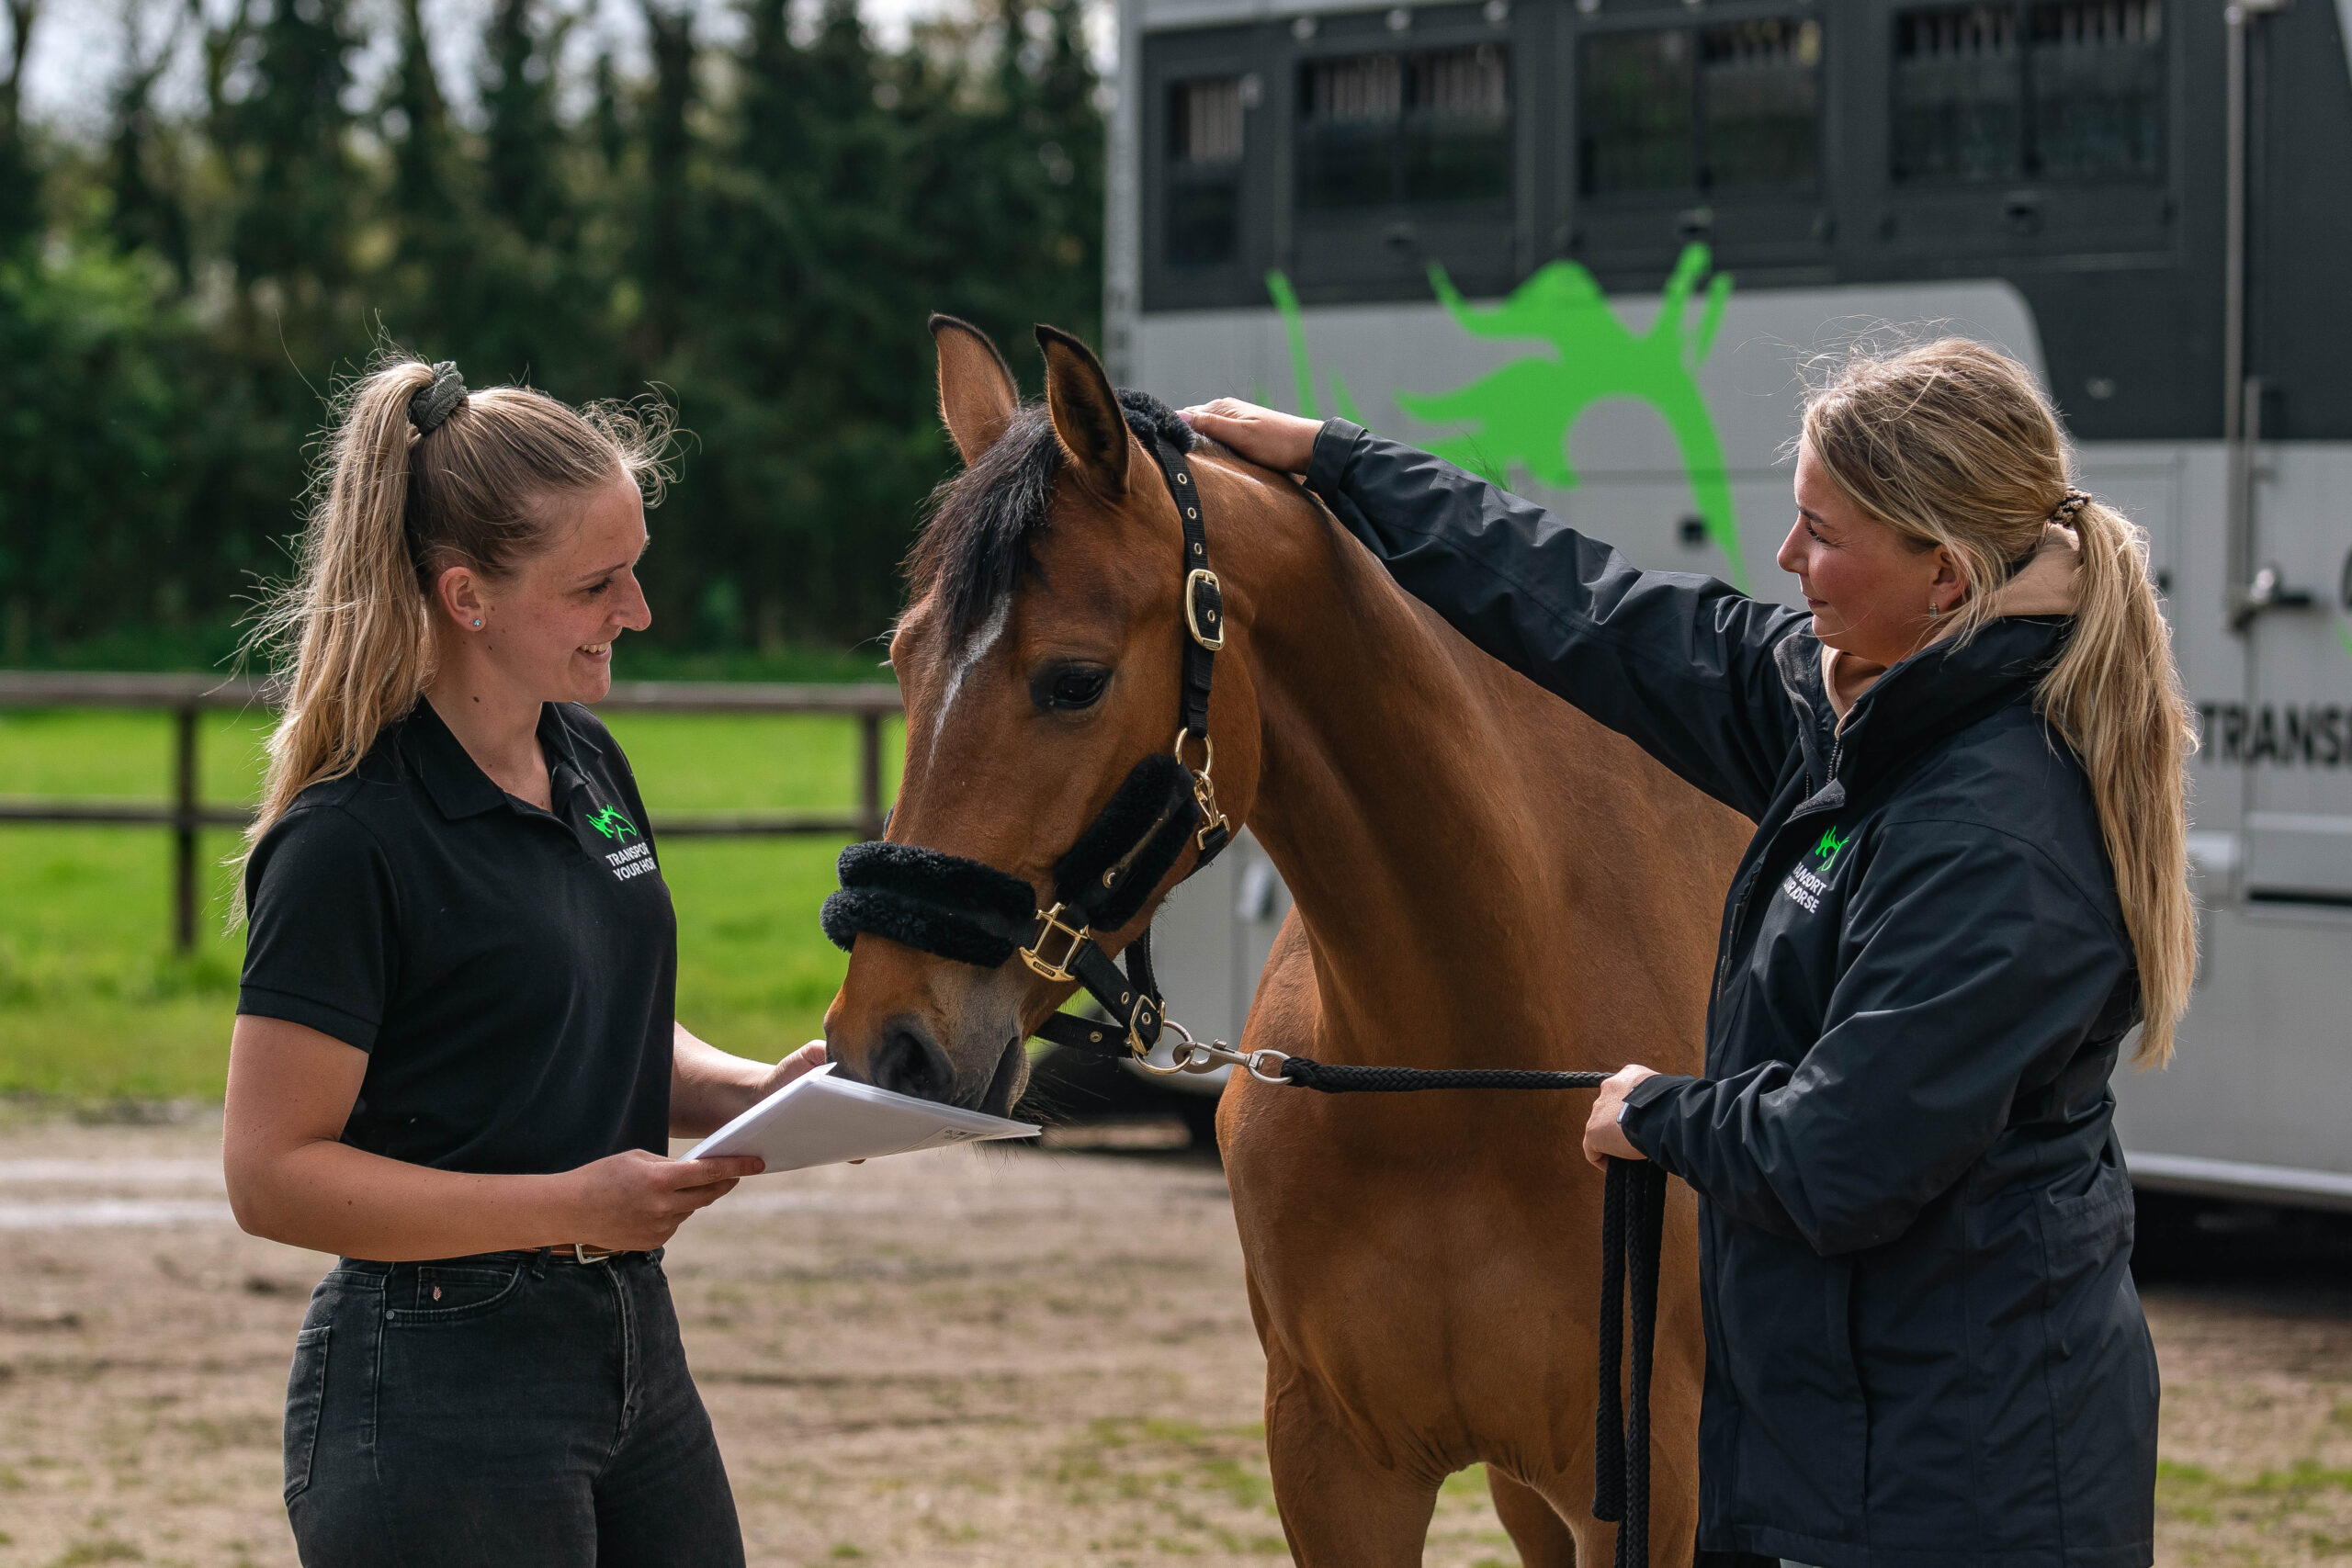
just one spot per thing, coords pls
(974, 651)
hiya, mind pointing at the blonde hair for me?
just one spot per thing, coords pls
(1954, 443)
(391, 507)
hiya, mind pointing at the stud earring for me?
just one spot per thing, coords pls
(477, 623)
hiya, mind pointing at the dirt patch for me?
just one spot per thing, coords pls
(973, 1356)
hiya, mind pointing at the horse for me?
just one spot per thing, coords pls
(1483, 878)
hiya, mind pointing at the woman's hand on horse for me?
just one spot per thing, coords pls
(1604, 1139)
(634, 1201)
(1283, 442)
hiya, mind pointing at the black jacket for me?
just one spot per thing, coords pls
(1923, 1345)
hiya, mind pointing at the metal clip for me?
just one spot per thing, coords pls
(1075, 937)
(1197, 1057)
(1203, 789)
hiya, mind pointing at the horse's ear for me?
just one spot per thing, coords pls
(1087, 420)
(977, 396)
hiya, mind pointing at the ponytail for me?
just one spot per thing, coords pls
(1951, 443)
(353, 615)
(2115, 694)
(416, 474)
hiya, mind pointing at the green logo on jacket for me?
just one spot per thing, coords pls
(609, 822)
(1827, 850)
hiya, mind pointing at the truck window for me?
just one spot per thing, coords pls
(1637, 131)
(1430, 126)
(2098, 70)
(1682, 110)
(1203, 187)
(1759, 84)
(2059, 89)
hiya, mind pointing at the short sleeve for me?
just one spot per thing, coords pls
(320, 948)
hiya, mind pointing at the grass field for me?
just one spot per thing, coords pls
(95, 1004)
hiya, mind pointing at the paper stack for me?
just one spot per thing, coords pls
(818, 1118)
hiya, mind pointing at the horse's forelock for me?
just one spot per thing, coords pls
(975, 547)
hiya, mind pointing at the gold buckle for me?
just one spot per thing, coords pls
(1137, 1043)
(1075, 937)
(1211, 641)
(1203, 789)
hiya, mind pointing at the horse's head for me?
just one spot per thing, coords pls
(1040, 659)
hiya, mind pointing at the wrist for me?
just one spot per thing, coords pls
(559, 1216)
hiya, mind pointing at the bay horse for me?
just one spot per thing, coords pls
(1483, 875)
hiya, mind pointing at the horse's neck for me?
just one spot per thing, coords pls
(1426, 807)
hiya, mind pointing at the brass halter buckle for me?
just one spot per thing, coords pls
(1204, 788)
(1205, 622)
(1073, 938)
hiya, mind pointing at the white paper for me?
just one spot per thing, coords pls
(818, 1118)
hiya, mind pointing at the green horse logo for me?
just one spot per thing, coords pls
(609, 822)
(1830, 846)
(1519, 416)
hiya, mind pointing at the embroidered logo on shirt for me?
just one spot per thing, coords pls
(1804, 885)
(634, 861)
(609, 822)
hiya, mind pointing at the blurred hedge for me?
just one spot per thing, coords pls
(758, 229)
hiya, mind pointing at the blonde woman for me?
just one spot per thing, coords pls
(455, 1062)
(1968, 885)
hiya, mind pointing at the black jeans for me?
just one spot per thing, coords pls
(513, 1408)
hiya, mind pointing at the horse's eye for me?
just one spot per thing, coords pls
(1071, 687)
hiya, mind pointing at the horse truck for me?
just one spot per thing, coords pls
(1594, 248)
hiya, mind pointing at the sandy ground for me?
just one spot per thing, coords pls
(971, 1357)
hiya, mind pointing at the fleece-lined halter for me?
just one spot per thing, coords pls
(972, 913)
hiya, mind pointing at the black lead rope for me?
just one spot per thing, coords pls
(1632, 1217)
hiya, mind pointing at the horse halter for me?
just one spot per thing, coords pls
(970, 912)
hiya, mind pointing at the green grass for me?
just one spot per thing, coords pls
(95, 1004)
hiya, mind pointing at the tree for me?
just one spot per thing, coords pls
(764, 240)
(19, 181)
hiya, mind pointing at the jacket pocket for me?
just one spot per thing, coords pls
(452, 1293)
(2086, 1237)
(1852, 1439)
(306, 1393)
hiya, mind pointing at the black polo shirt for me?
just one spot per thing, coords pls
(511, 973)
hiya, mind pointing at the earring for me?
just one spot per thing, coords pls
(1932, 611)
(477, 623)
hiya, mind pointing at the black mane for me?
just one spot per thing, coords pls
(976, 545)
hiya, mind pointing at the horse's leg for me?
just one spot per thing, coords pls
(1542, 1537)
(1340, 1507)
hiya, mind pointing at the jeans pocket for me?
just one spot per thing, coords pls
(451, 1293)
(306, 1392)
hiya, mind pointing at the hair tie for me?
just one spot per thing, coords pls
(432, 404)
(2076, 501)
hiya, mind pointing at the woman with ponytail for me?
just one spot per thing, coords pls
(1967, 886)
(455, 1062)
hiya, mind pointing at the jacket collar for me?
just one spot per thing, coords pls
(454, 779)
(1941, 689)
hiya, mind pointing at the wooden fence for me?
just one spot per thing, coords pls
(185, 696)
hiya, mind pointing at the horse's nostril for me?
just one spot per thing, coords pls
(910, 1062)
